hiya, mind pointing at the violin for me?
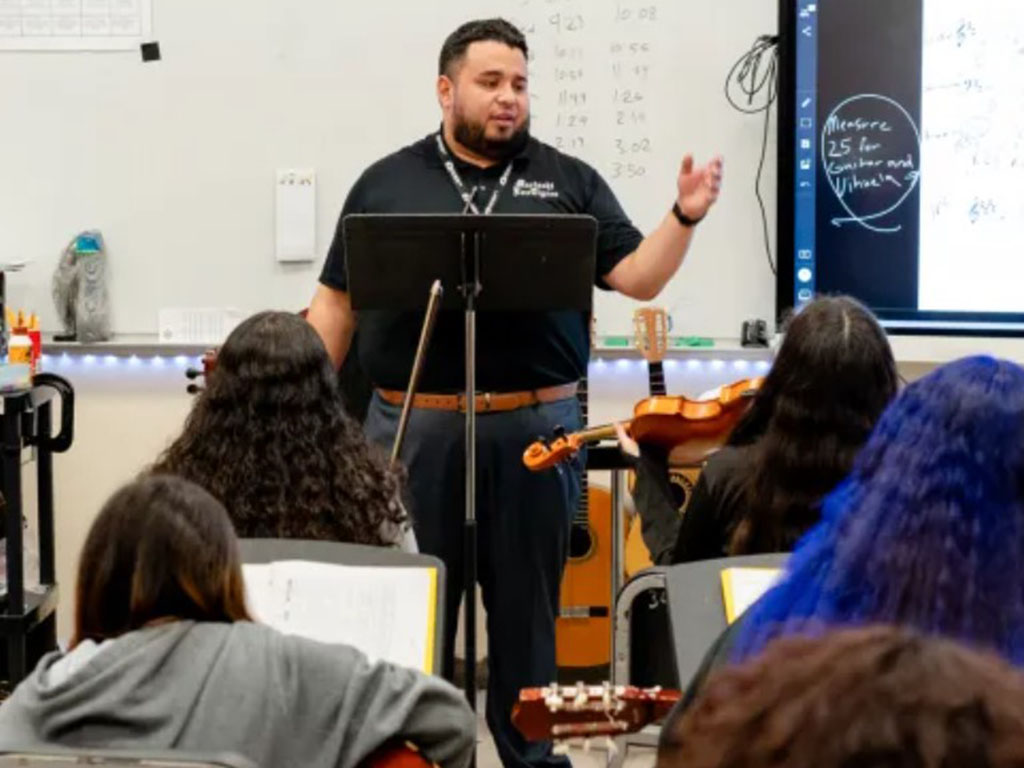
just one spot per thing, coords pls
(689, 429)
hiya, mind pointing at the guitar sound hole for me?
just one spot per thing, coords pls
(680, 496)
(581, 542)
(682, 489)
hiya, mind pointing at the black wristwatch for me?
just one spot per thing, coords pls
(683, 219)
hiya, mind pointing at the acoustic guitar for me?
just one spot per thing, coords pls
(582, 712)
(397, 755)
(583, 627)
(650, 335)
(208, 363)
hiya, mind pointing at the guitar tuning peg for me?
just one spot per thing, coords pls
(611, 747)
(559, 431)
(581, 698)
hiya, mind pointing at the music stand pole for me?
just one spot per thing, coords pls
(470, 289)
(501, 263)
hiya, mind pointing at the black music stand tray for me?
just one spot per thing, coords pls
(496, 263)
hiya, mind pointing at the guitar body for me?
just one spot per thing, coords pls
(397, 756)
(637, 556)
(583, 630)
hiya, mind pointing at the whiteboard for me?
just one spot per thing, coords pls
(175, 161)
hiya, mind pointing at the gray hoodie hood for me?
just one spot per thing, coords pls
(243, 688)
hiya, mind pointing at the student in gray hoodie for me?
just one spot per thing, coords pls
(165, 656)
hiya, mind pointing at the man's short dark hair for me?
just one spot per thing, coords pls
(499, 30)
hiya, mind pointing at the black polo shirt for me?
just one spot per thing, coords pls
(515, 351)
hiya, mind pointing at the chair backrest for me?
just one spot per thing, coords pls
(696, 608)
(258, 551)
(56, 757)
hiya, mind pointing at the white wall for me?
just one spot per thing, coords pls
(175, 160)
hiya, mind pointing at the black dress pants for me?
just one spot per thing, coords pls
(523, 520)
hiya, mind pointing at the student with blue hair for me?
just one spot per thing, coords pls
(927, 531)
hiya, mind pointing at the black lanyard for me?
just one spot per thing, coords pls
(460, 185)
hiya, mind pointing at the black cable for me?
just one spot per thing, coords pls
(752, 77)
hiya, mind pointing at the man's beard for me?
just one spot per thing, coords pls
(473, 136)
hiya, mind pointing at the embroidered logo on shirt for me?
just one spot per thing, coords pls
(544, 190)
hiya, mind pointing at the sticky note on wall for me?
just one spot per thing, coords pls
(296, 215)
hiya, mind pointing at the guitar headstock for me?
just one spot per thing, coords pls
(208, 362)
(650, 333)
(560, 713)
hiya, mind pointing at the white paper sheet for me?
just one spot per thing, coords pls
(74, 25)
(387, 613)
(742, 587)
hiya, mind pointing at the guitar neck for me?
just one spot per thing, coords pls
(582, 516)
(656, 378)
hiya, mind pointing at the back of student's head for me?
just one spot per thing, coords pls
(877, 697)
(161, 548)
(928, 530)
(270, 438)
(831, 379)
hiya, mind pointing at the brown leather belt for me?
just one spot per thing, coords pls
(488, 402)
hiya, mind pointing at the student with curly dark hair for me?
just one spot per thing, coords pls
(165, 656)
(876, 697)
(270, 438)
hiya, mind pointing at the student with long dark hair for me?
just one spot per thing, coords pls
(831, 379)
(270, 438)
(165, 656)
(927, 531)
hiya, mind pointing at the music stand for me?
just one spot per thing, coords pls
(496, 263)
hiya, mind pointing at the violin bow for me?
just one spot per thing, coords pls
(433, 305)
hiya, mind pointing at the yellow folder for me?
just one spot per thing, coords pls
(741, 588)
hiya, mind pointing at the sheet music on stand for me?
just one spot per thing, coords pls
(742, 587)
(387, 613)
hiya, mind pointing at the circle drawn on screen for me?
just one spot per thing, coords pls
(870, 151)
